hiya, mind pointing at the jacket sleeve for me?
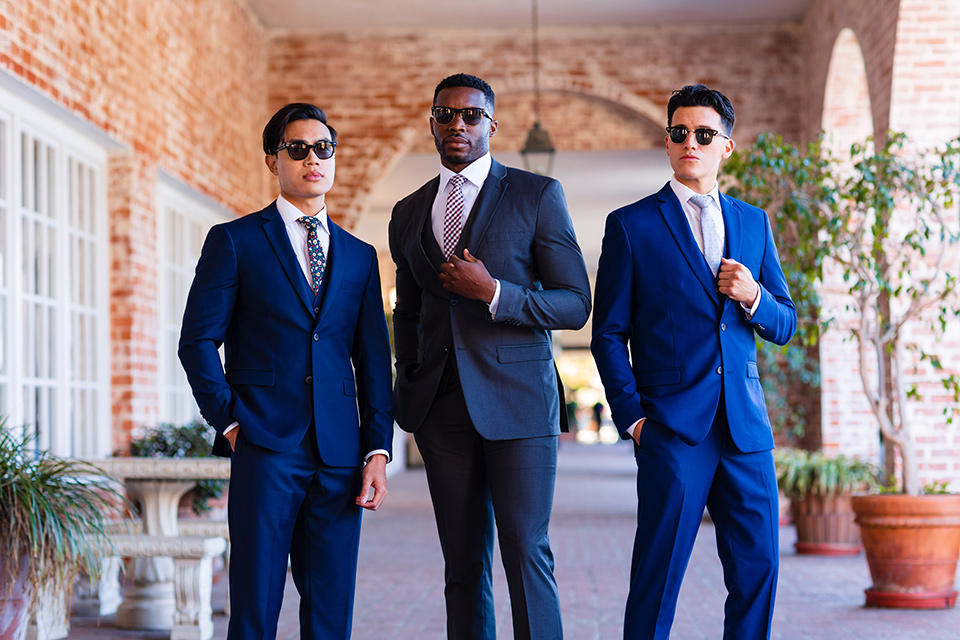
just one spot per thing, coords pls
(563, 302)
(206, 318)
(776, 317)
(371, 363)
(612, 314)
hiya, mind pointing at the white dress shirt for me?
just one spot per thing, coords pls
(476, 174)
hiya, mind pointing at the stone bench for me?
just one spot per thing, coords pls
(192, 578)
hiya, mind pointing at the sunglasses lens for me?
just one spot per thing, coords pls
(471, 117)
(678, 135)
(298, 151)
(704, 136)
(443, 115)
(323, 150)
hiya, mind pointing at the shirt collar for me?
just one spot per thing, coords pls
(290, 213)
(476, 172)
(684, 192)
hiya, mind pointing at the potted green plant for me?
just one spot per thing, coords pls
(819, 489)
(53, 515)
(191, 440)
(882, 220)
(892, 240)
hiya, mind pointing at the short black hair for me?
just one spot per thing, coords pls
(273, 132)
(700, 95)
(466, 80)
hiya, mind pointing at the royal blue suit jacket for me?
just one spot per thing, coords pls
(519, 227)
(665, 341)
(290, 359)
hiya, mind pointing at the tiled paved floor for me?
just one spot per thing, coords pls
(400, 585)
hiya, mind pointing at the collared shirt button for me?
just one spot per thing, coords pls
(308, 379)
(316, 337)
(719, 371)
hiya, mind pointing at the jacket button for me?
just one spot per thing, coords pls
(316, 309)
(308, 379)
(720, 371)
(454, 302)
(723, 327)
(316, 337)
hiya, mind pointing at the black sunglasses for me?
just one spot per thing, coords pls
(298, 149)
(471, 116)
(678, 135)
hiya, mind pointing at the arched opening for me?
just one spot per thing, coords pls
(847, 116)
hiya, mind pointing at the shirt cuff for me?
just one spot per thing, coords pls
(375, 452)
(752, 309)
(634, 426)
(231, 428)
(495, 303)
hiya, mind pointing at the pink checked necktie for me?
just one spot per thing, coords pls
(709, 220)
(453, 219)
(318, 261)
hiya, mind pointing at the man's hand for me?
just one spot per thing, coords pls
(637, 429)
(231, 437)
(375, 478)
(736, 282)
(468, 278)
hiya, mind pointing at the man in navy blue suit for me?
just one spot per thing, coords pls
(487, 265)
(687, 278)
(302, 398)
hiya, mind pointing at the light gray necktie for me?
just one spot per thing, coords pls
(710, 221)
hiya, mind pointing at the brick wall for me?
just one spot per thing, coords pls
(911, 53)
(377, 88)
(180, 85)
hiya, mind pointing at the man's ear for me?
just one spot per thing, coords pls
(493, 127)
(271, 162)
(729, 146)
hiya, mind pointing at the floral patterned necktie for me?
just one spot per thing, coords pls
(318, 261)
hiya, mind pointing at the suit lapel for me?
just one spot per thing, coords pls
(484, 209)
(676, 221)
(732, 224)
(276, 233)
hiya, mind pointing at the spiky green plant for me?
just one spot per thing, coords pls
(801, 474)
(53, 515)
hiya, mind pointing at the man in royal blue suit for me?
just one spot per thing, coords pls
(687, 278)
(487, 265)
(303, 398)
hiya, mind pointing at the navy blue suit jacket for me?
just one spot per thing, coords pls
(665, 341)
(519, 227)
(290, 359)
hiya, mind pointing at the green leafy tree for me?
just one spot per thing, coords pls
(881, 220)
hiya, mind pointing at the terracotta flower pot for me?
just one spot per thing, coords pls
(912, 544)
(825, 526)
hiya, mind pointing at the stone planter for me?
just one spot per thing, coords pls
(14, 605)
(912, 544)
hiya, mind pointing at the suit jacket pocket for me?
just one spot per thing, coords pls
(524, 353)
(752, 371)
(349, 388)
(259, 377)
(657, 377)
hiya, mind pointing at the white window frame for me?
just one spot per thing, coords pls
(67, 376)
(184, 217)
